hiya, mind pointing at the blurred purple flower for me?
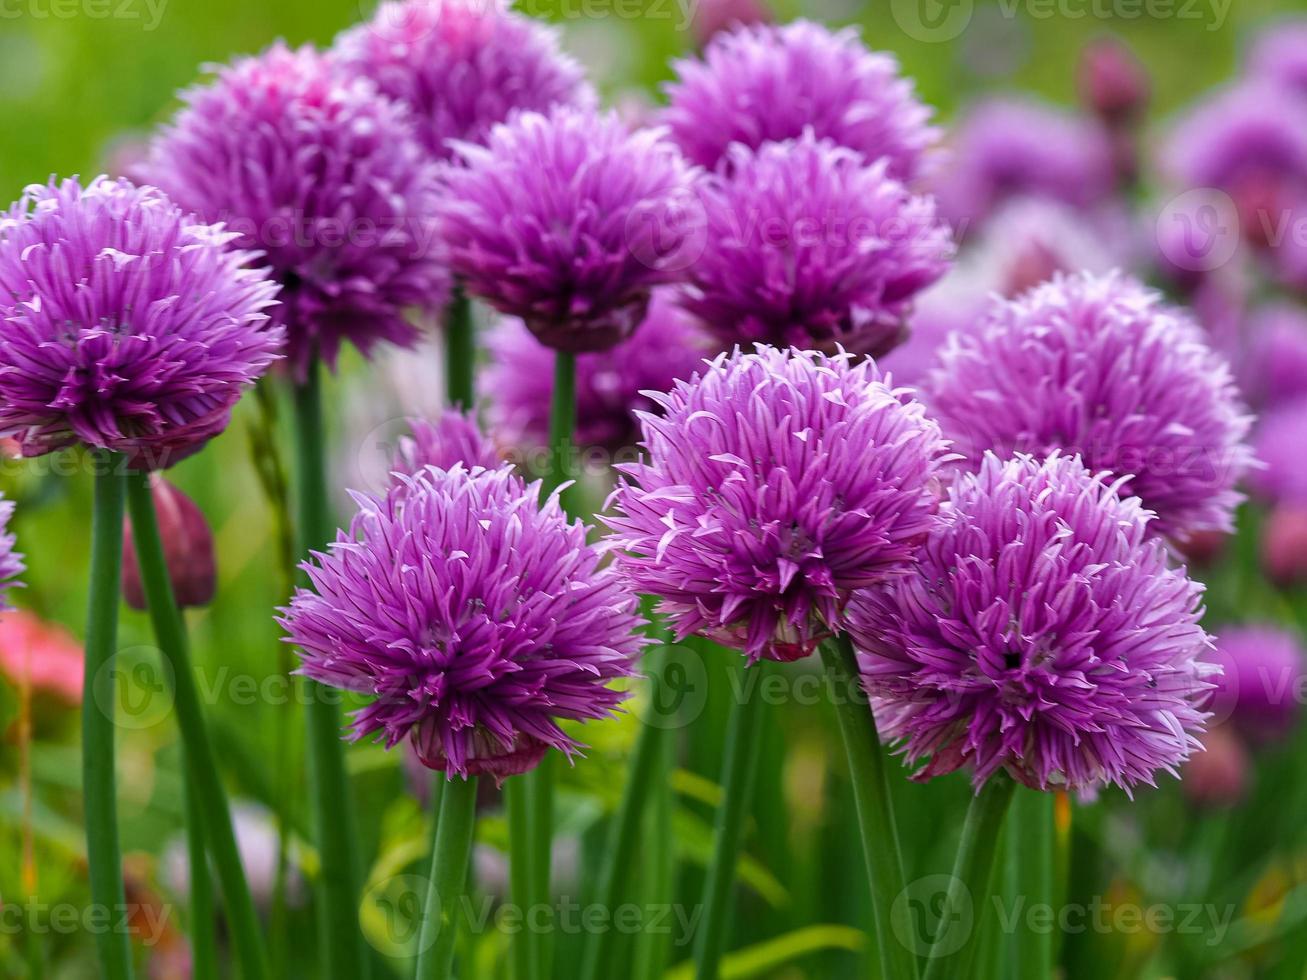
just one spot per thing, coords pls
(1218, 775)
(462, 66)
(776, 483)
(563, 220)
(1263, 668)
(1279, 55)
(11, 562)
(767, 83)
(444, 442)
(475, 653)
(257, 840)
(1275, 365)
(808, 246)
(1278, 446)
(1114, 83)
(713, 17)
(325, 177)
(610, 385)
(1284, 544)
(1101, 367)
(127, 324)
(1043, 632)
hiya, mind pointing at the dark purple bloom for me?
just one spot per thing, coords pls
(444, 442)
(462, 66)
(611, 385)
(808, 246)
(1114, 84)
(768, 83)
(127, 324)
(1042, 632)
(326, 178)
(1006, 148)
(11, 562)
(476, 615)
(776, 484)
(560, 220)
(1101, 367)
(1262, 680)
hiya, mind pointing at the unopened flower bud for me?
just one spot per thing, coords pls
(1114, 84)
(187, 549)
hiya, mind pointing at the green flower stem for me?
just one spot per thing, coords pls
(521, 873)
(460, 351)
(98, 779)
(200, 759)
(739, 771)
(619, 856)
(972, 880)
(450, 853)
(343, 955)
(871, 795)
(650, 960)
(1030, 853)
(204, 948)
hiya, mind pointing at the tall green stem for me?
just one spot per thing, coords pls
(200, 758)
(450, 852)
(871, 796)
(521, 872)
(739, 771)
(98, 779)
(460, 351)
(651, 949)
(971, 882)
(562, 421)
(1030, 853)
(204, 948)
(343, 955)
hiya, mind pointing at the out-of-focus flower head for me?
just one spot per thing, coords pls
(1218, 775)
(452, 438)
(1284, 543)
(1263, 668)
(1278, 446)
(713, 17)
(257, 841)
(1274, 370)
(187, 549)
(1114, 83)
(1279, 55)
(46, 654)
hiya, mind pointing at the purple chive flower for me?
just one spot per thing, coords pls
(611, 385)
(11, 562)
(562, 220)
(1278, 446)
(776, 484)
(127, 324)
(1101, 367)
(1279, 55)
(1275, 366)
(1262, 680)
(444, 442)
(769, 83)
(475, 615)
(326, 178)
(1006, 148)
(1042, 632)
(808, 246)
(462, 66)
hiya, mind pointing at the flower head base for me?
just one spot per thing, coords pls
(127, 325)
(326, 178)
(611, 385)
(767, 83)
(1099, 366)
(559, 221)
(1042, 632)
(776, 484)
(451, 439)
(462, 66)
(807, 246)
(474, 614)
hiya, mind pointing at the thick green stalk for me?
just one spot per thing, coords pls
(521, 874)
(1030, 853)
(619, 857)
(200, 759)
(460, 351)
(562, 421)
(971, 882)
(451, 851)
(204, 947)
(651, 948)
(871, 796)
(343, 955)
(739, 771)
(98, 779)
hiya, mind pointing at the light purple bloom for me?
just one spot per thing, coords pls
(11, 562)
(1278, 446)
(776, 484)
(444, 442)
(1279, 55)
(326, 177)
(1042, 632)
(1006, 147)
(127, 324)
(610, 385)
(475, 615)
(1102, 367)
(769, 83)
(1263, 667)
(808, 246)
(563, 221)
(462, 66)
(1275, 366)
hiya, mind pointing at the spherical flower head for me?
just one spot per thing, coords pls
(1275, 365)
(806, 245)
(1113, 83)
(1278, 447)
(776, 483)
(1042, 631)
(325, 177)
(444, 442)
(1263, 668)
(562, 220)
(128, 325)
(611, 385)
(766, 83)
(1101, 367)
(462, 66)
(476, 615)
(11, 562)
(1279, 55)
(43, 655)
(1006, 148)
